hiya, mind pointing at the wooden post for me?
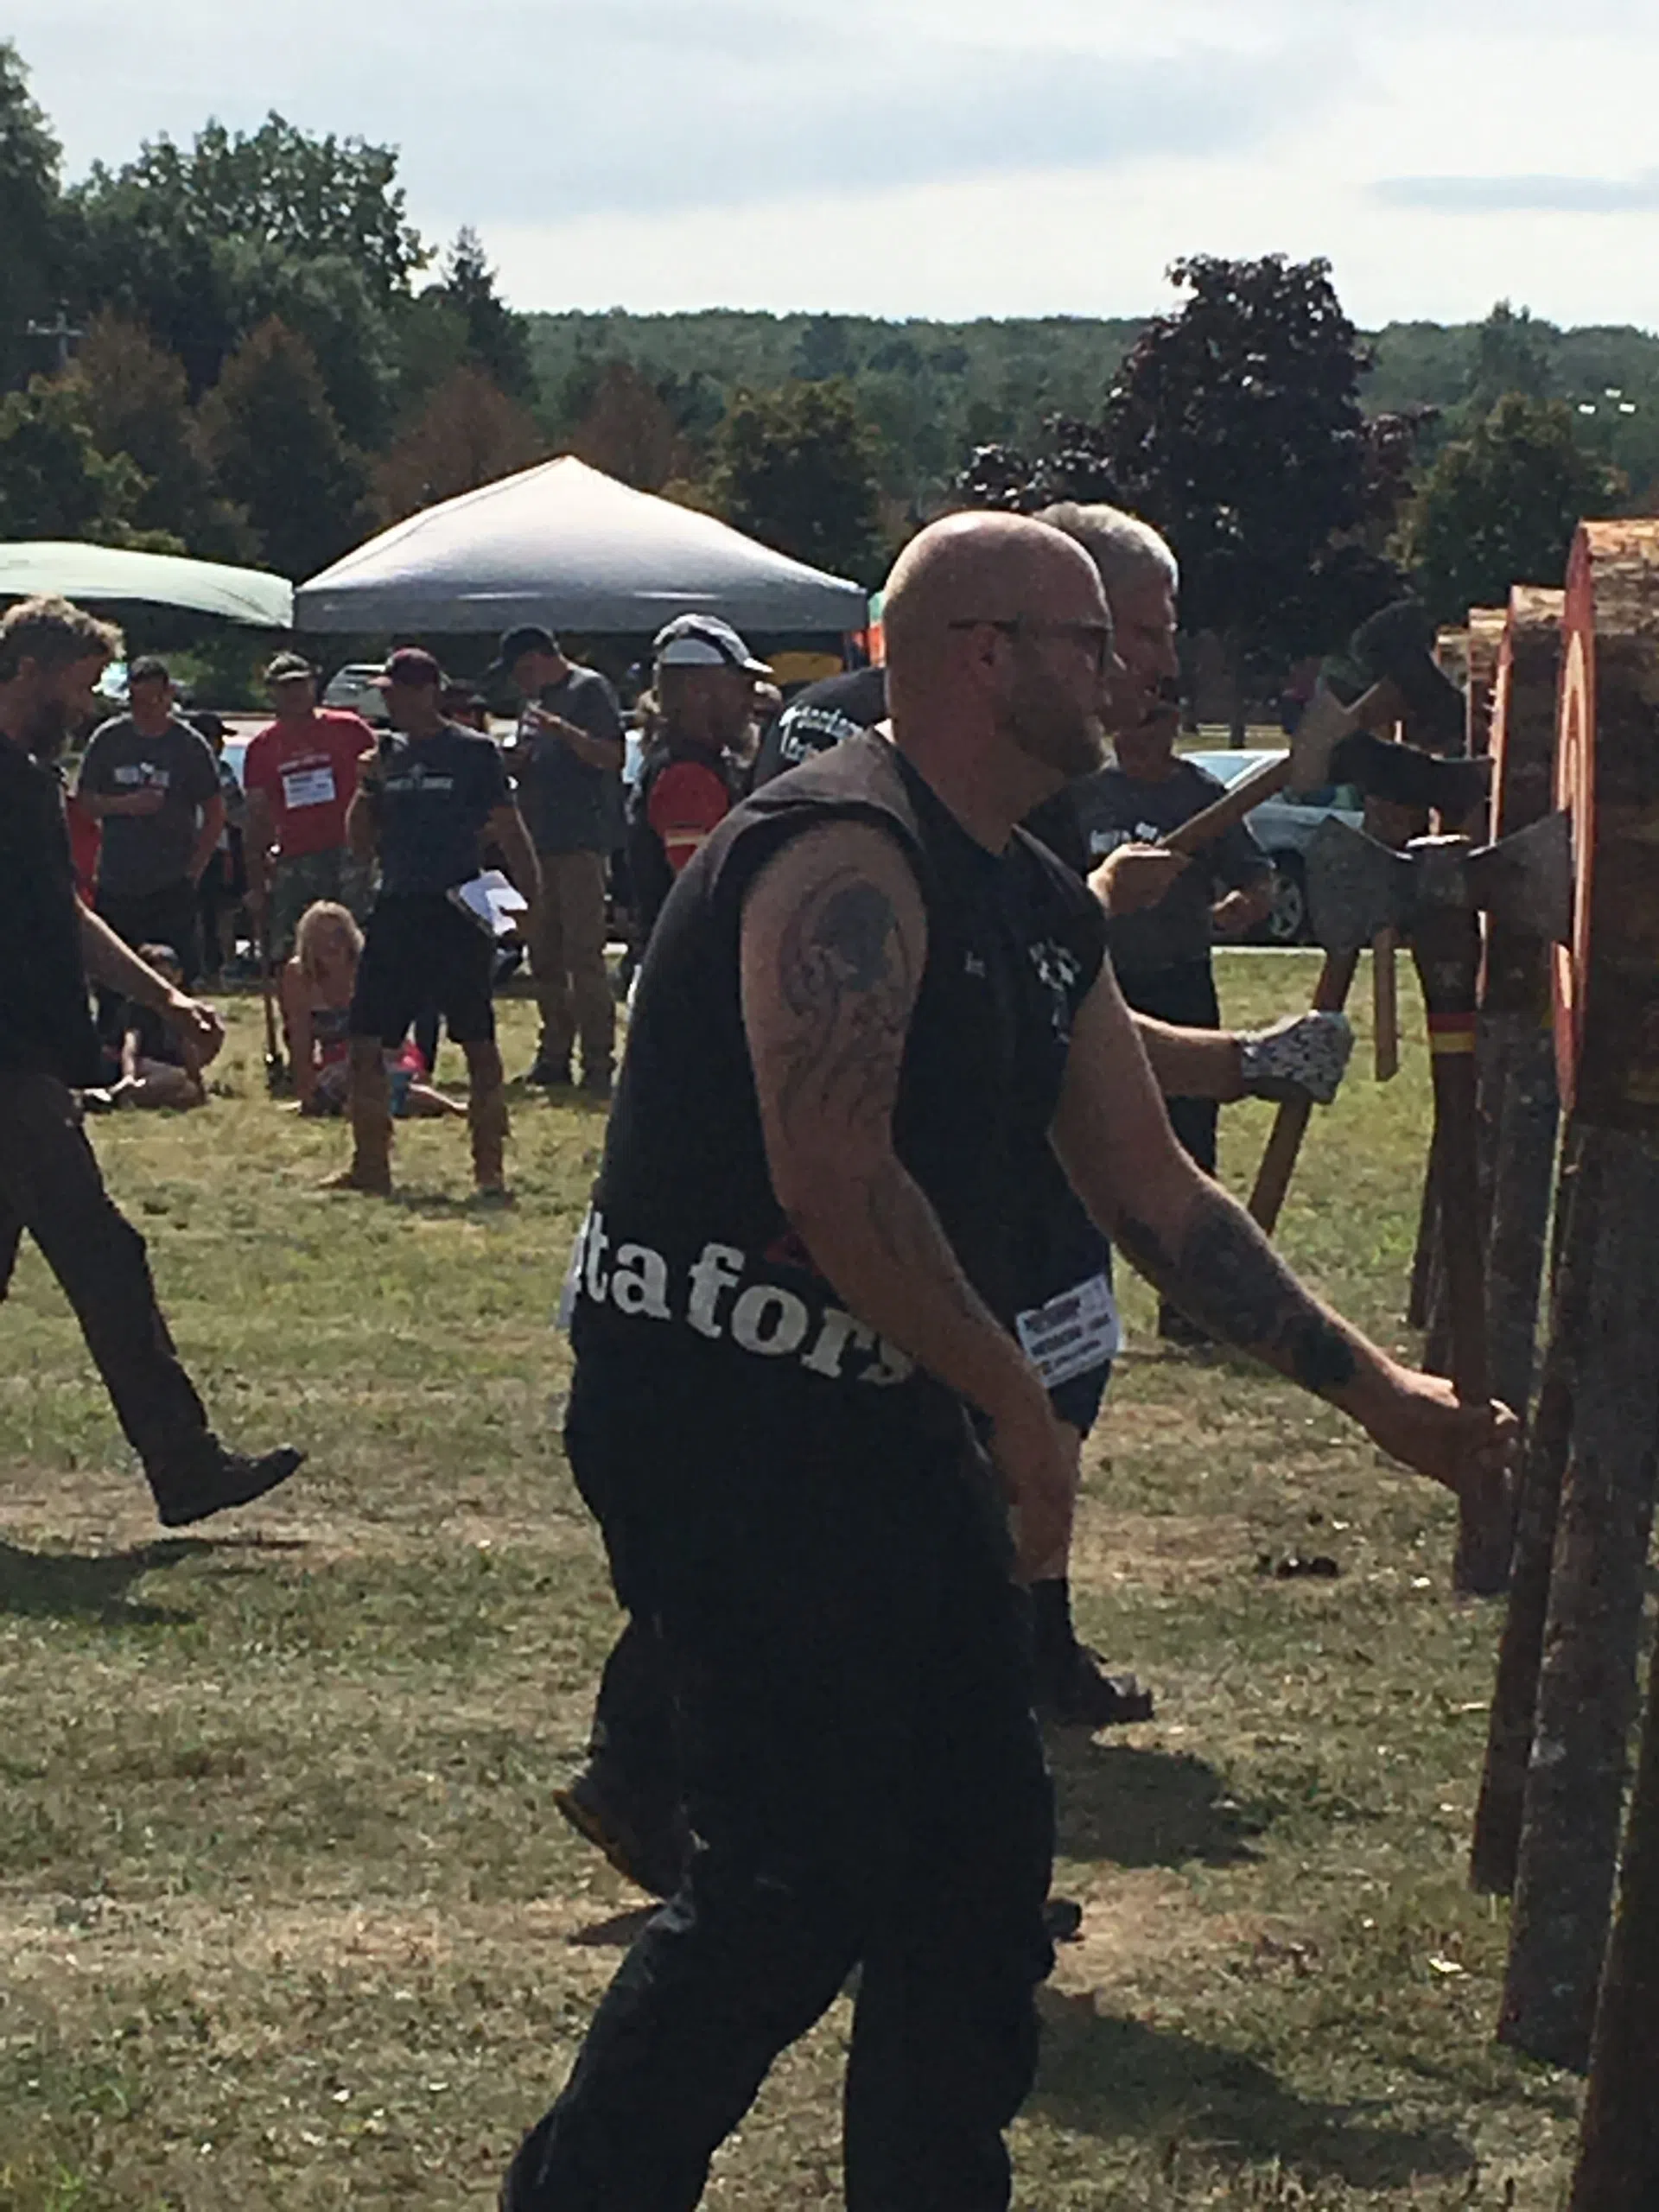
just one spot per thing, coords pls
(1446, 945)
(1618, 2157)
(1607, 1032)
(1519, 1111)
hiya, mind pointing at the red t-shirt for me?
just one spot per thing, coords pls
(307, 772)
(687, 801)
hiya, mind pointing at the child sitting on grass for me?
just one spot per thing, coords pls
(316, 995)
(156, 1067)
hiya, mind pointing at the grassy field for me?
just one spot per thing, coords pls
(286, 1919)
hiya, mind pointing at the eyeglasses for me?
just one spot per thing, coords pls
(1095, 638)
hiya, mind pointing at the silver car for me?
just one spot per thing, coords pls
(1282, 827)
(353, 687)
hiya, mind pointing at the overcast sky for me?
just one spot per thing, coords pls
(941, 157)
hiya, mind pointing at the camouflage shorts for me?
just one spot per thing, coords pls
(299, 882)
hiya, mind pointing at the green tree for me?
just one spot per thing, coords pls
(203, 243)
(1512, 353)
(797, 468)
(53, 480)
(29, 257)
(497, 341)
(628, 429)
(278, 452)
(136, 402)
(1500, 506)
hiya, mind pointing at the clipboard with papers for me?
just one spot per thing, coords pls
(490, 902)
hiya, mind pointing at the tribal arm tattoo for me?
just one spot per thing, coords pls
(1227, 1277)
(835, 943)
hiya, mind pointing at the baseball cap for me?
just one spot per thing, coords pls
(409, 664)
(287, 665)
(147, 668)
(704, 641)
(528, 637)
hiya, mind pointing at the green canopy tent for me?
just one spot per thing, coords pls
(91, 572)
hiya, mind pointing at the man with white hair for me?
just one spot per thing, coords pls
(1165, 912)
(870, 1005)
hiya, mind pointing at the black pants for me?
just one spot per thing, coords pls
(51, 1186)
(851, 1669)
(169, 916)
(1185, 994)
(223, 885)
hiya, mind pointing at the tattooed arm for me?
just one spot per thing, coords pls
(1200, 1247)
(835, 938)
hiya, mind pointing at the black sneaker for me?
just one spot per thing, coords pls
(1086, 1696)
(231, 1478)
(548, 1075)
(651, 1851)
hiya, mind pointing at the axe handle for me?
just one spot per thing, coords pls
(1272, 776)
(1290, 1123)
(268, 992)
(1385, 1004)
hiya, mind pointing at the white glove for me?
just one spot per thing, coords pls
(1305, 1056)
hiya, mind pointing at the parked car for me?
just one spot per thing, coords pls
(352, 688)
(1282, 826)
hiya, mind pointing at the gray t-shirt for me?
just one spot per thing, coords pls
(1113, 809)
(141, 853)
(570, 806)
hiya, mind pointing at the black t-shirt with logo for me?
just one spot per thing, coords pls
(46, 1026)
(569, 805)
(1114, 808)
(138, 853)
(688, 1250)
(437, 794)
(818, 718)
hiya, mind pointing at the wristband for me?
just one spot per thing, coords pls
(1306, 1056)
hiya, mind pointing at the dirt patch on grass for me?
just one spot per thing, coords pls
(1143, 1925)
(1117, 1547)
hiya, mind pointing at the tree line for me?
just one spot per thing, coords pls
(242, 348)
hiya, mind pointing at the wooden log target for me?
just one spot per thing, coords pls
(1522, 736)
(1607, 777)
(1602, 1389)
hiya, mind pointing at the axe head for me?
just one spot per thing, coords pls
(1396, 644)
(1355, 887)
(1526, 881)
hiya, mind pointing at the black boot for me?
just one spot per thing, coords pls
(223, 1480)
(1073, 1688)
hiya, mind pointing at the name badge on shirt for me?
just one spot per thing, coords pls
(1074, 1333)
(308, 787)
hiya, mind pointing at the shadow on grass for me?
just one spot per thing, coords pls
(1111, 2077)
(1132, 1807)
(80, 1586)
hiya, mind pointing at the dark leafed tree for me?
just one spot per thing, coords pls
(796, 467)
(53, 480)
(1500, 506)
(277, 450)
(29, 226)
(469, 433)
(1512, 353)
(136, 401)
(1235, 427)
(497, 340)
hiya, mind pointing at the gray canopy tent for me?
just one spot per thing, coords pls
(109, 572)
(567, 546)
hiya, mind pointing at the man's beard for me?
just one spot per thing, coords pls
(46, 731)
(1048, 725)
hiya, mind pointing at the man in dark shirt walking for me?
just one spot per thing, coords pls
(430, 797)
(51, 656)
(152, 782)
(870, 1004)
(567, 763)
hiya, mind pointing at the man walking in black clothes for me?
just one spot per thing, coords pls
(567, 763)
(869, 1003)
(51, 656)
(152, 783)
(430, 797)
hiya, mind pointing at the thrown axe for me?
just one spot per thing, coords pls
(1432, 894)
